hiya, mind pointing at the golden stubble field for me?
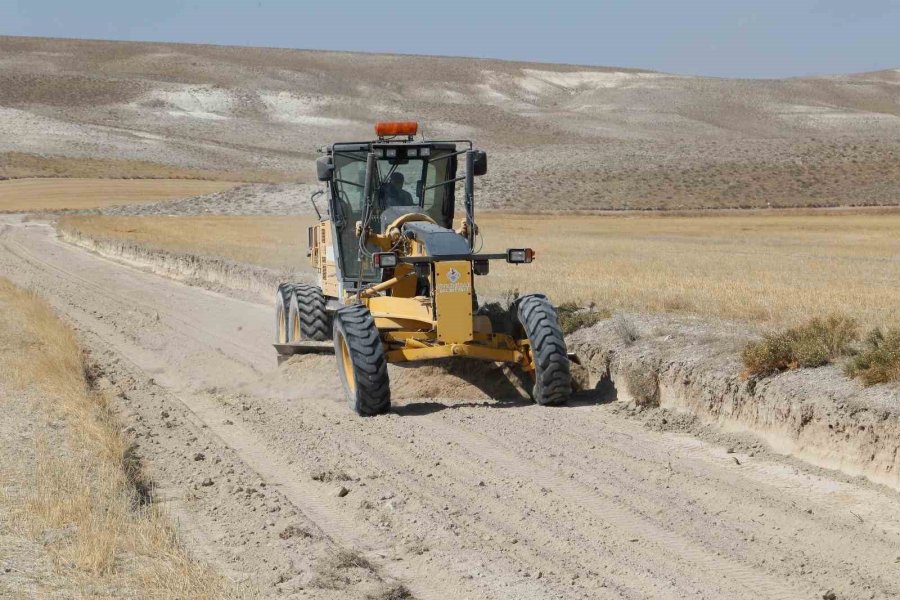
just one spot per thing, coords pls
(40, 194)
(772, 268)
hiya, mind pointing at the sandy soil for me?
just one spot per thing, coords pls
(560, 136)
(459, 492)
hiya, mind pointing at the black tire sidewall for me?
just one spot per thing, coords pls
(541, 302)
(359, 399)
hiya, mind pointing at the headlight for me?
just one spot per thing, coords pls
(385, 260)
(519, 255)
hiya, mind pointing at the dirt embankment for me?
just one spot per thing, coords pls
(693, 367)
(209, 272)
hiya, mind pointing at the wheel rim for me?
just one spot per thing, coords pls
(347, 365)
(282, 326)
(295, 333)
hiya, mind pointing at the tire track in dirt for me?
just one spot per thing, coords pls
(720, 477)
(604, 506)
(790, 513)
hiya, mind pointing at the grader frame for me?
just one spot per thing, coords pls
(396, 282)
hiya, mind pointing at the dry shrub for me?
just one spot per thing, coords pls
(625, 329)
(336, 570)
(813, 344)
(879, 361)
(84, 501)
(391, 592)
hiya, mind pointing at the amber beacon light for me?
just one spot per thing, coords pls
(392, 128)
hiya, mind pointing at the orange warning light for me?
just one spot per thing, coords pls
(391, 128)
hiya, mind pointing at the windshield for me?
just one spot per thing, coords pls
(396, 189)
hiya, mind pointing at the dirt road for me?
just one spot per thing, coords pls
(456, 496)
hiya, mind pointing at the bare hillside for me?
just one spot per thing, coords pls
(561, 137)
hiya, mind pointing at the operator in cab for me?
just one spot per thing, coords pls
(393, 193)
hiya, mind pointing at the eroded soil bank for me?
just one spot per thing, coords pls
(691, 366)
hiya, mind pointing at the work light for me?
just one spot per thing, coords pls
(385, 260)
(519, 255)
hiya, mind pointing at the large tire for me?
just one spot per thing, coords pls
(307, 318)
(540, 324)
(282, 307)
(361, 363)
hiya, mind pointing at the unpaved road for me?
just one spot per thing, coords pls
(459, 497)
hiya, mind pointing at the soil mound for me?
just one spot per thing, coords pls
(447, 379)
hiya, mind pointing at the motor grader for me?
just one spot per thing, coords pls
(396, 281)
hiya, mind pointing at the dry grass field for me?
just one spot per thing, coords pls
(275, 242)
(73, 520)
(18, 165)
(769, 268)
(50, 194)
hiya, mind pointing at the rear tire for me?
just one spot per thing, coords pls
(282, 306)
(307, 318)
(361, 363)
(552, 377)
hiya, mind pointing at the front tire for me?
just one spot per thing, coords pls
(552, 376)
(307, 317)
(361, 363)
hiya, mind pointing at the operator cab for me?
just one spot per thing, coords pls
(408, 176)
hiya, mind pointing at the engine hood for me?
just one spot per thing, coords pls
(438, 241)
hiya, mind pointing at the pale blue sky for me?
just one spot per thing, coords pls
(748, 38)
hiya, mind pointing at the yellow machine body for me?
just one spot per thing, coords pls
(438, 325)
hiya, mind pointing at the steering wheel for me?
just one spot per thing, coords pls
(409, 218)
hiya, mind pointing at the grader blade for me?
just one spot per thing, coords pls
(286, 351)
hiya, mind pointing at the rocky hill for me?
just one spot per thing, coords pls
(561, 137)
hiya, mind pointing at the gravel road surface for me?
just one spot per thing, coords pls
(454, 494)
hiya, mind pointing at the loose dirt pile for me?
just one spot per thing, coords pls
(448, 379)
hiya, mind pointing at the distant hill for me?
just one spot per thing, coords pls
(561, 137)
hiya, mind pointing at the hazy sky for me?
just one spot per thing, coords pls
(746, 38)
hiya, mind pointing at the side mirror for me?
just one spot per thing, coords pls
(480, 162)
(325, 168)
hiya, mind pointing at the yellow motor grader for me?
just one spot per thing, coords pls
(396, 281)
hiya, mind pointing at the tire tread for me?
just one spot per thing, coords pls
(373, 393)
(553, 379)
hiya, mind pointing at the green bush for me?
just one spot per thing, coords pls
(573, 317)
(813, 344)
(879, 361)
